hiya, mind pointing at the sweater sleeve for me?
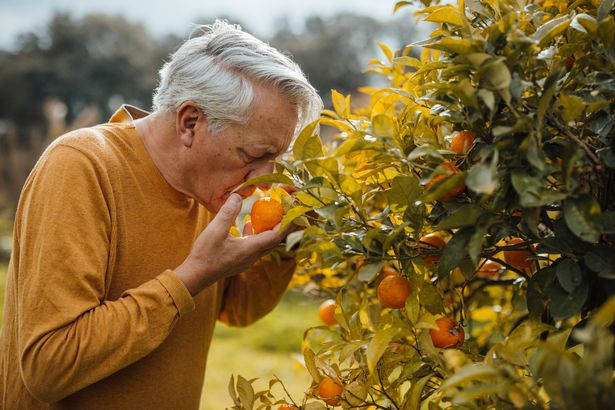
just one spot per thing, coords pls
(256, 292)
(70, 336)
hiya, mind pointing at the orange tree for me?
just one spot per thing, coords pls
(533, 86)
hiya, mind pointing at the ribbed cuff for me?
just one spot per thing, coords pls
(179, 293)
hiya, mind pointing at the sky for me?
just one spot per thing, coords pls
(162, 17)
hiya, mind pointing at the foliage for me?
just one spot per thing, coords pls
(534, 82)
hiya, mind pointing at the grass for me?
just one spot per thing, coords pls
(267, 348)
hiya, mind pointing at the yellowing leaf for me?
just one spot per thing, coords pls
(484, 314)
(341, 104)
(378, 345)
(386, 50)
(572, 107)
(447, 14)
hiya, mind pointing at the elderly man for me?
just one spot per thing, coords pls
(122, 261)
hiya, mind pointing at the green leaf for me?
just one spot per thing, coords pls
(293, 238)
(378, 346)
(531, 191)
(431, 299)
(607, 221)
(537, 286)
(475, 246)
(314, 405)
(369, 271)
(245, 392)
(232, 392)
(605, 8)
(442, 187)
(310, 364)
(569, 275)
(582, 217)
(415, 393)
(466, 215)
(413, 307)
(584, 23)
(535, 155)
(550, 30)
(404, 190)
(471, 372)
(602, 261)
(495, 75)
(302, 139)
(571, 106)
(423, 151)
(456, 250)
(267, 179)
(548, 91)
(565, 304)
(294, 213)
(482, 179)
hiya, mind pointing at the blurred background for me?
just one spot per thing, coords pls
(69, 64)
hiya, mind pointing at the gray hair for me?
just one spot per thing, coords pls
(218, 70)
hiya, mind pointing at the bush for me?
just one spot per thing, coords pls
(534, 84)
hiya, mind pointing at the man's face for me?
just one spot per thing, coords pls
(221, 162)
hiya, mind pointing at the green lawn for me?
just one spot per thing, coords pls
(268, 347)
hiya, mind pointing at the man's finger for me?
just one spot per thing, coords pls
(247, 228)
(227, 215)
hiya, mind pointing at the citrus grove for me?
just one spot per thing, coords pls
(462, 225)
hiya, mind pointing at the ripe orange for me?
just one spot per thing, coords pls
(387, 271)
(393, 291)
(287, 406)
(462, 142)
(330, 390)
(489, 269)
(448, 334)
(326, 312)
(358, 264)
(455, 191)
(436, 242)
(518, 258)
(266, 214)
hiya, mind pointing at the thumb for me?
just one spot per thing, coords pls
(227, 214)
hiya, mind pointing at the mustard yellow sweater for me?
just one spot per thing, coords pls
(94, 316)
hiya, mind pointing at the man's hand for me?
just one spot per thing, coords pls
(216, 254)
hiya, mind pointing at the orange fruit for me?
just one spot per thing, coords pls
(489, 269)
(448, 334)
(518, 258)
(330, 390)
(387, 271)
(455, 191)
(326, 312)
(462, 142)
(393, 291)
(435, 242)
(287, 406)
(358, 264)
(266, 214)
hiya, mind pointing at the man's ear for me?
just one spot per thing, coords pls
(188, 117)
